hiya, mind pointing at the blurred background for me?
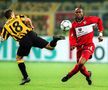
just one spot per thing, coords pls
(47, 16)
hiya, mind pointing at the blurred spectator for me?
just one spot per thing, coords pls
(40, 24)
(105, 19)
(41, 12)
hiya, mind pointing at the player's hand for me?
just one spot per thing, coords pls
(72, 48)
(1, 39)
(100, 38)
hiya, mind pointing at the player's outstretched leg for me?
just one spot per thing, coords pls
(89, 78)
(27, 80)
(87, 74)
(71, 73)
(75, 70)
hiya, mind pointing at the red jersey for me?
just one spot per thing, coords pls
(82, 32)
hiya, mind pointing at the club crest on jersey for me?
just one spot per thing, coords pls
(80, 29)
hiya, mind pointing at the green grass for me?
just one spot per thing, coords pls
(47, 76)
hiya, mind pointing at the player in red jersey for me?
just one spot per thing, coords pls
(81, 37)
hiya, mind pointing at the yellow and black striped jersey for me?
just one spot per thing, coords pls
(16, 28)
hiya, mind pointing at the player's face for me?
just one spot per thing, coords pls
(78, 13)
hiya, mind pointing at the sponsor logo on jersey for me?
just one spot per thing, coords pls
(80, 31)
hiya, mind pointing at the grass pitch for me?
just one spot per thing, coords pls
(47, 76)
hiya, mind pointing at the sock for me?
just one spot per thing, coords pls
(74, 70)
(84, 71)
(53, 43)
(22, 68)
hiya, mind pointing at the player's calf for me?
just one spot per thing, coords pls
(89, 78)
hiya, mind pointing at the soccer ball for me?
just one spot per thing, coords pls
(65, 25)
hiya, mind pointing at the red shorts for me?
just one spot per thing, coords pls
(85, 51)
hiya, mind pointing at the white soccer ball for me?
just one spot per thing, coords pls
(65, 25)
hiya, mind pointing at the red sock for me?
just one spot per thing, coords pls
(74, 70)
(84, 71)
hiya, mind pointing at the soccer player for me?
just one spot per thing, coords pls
(81, 37)
(20, 28)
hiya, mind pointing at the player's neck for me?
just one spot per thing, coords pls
(79, 19)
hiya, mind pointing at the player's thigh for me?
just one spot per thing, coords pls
(90, 48)
(86, 54)
(78, 55)
(88, 51)
(40, 42)
(23, 50)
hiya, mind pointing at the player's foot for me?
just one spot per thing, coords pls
(58, 37)
(89, 78)
(27, 80)
(65, 78)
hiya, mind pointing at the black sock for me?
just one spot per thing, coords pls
(22, 68)
(53, 43)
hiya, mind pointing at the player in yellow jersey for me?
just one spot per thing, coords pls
(21, 29)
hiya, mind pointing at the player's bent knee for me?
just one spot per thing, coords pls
(82, 60)
(80, 65)
(49, 47)
(19, 59)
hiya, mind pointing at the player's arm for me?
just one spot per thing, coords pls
(72, 39)
(100, 37)
(1, 38)
(27, 21)
(100, 27)
(3, 35)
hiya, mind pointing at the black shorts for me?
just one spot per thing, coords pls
(28, 41)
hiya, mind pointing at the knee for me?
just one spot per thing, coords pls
(80, 64)
(82, 68)
(82, 61)
(49, 47)
(19, 59)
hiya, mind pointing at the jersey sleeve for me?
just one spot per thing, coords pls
(23, 17)
(4, 34)
(27, 21)
(99, 23)
(72, 37)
